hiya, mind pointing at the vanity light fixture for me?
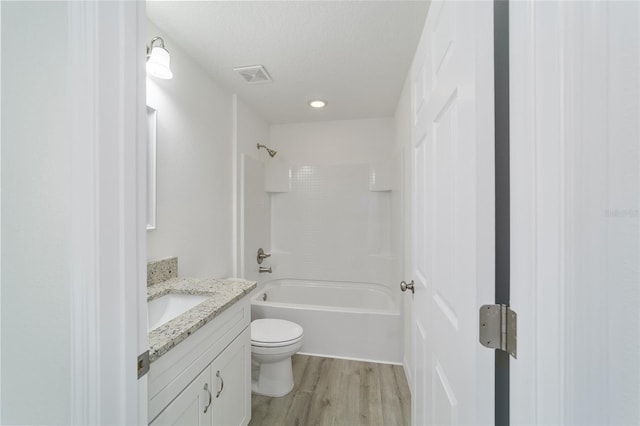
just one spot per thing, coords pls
(317, 103)
(158, 59)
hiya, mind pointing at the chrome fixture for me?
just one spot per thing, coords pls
(206, 388)
(221, 384)
(404, 286)
(158, 59)
(264, 269)
(271, 152)
(262, 256)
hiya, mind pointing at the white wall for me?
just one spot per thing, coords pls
(334, 142)
(402, 207)
(252, 129)
(194, 168)
(36, 208)
(330, 226)
(254, 203)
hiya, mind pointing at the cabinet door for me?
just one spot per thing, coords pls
(189, 407)
(231, 376)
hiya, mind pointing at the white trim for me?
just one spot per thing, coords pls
(240, 237)
(485, 197)
(108, 248)
(350, 358)
(151, 177)
(237, 221)
(0, 213)
(408, 374)
(141, 234)
(523, 387)
(85, 401)
(540, 35)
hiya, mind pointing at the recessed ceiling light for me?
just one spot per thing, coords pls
(317, 103)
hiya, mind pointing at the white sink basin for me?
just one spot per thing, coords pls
(165, 308)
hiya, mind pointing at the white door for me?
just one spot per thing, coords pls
(575, 194)
(453, 221)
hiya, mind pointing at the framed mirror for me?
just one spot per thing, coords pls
(152, 120)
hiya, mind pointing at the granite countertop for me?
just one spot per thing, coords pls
(224, 293)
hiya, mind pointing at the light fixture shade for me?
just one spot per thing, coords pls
(159, 63)
(317, 103)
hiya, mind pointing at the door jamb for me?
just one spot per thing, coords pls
(502, 195)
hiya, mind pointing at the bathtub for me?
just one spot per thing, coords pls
(340, 319)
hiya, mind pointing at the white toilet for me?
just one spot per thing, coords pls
(273, 342)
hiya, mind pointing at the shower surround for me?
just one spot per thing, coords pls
(332, 226)
(331, 252)
(327, 209)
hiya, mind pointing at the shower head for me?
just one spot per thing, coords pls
(271, 152)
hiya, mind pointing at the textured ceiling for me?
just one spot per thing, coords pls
(354, 54)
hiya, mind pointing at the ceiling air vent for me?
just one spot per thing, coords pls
(254, 74)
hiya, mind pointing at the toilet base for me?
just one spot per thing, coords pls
(275, 378)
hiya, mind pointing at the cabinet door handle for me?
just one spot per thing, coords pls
(206, 387)
(221, 383)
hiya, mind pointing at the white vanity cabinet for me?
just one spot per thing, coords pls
(231, 373)
(206, 379)
(191, 407)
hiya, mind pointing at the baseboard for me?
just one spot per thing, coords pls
(377, 361)
(408, 374)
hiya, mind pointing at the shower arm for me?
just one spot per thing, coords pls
(271, 152)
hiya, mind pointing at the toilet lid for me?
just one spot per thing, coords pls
(274, 331)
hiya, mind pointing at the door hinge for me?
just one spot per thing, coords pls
(143, 364)
(499, 328)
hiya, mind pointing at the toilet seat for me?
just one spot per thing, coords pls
(271, 332)
(275, 344)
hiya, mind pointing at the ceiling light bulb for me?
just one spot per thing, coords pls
(317, 103)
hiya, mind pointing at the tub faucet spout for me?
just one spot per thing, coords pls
(264, 269)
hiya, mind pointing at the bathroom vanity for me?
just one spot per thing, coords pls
(200, 372)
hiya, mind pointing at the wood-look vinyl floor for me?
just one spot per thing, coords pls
(331, 391)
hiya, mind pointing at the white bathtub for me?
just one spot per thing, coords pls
(340, 319)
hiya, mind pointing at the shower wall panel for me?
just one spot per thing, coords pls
(330, 226)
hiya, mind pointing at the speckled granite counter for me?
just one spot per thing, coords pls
(224, 293)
